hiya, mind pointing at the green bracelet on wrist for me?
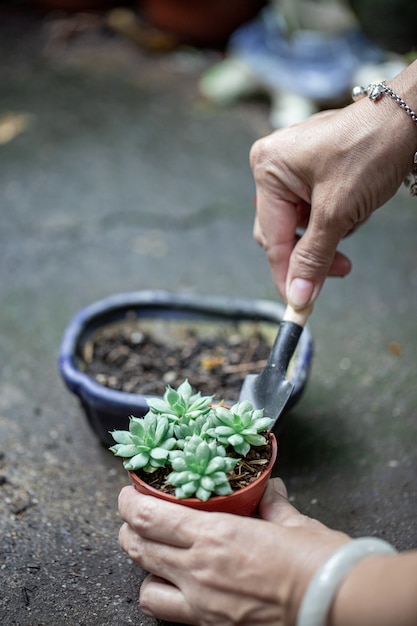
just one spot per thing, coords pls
(328, 578)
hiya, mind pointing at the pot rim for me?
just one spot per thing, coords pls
(214, 499)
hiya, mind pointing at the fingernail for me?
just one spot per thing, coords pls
(279, 487)
(300, 292)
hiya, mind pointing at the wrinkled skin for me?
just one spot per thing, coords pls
(214, 569)
(322, 179)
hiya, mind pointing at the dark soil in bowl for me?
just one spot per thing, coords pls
(135, 358)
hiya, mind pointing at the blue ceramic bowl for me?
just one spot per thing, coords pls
(107, 409)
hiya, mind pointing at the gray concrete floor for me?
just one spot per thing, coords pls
(125, 179)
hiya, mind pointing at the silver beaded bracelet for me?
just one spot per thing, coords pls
(375, 91)
(328, 578)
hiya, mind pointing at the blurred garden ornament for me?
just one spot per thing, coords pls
(302, 54)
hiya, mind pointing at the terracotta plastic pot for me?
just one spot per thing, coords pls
(107, 409)
(200, 22)
(241, 502)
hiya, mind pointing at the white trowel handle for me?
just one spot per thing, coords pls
(298, 316)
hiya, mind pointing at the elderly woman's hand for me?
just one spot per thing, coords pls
(323, 178)
(222, 570)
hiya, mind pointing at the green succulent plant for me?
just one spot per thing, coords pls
(240, 426)
(201, 426)
(200, 469)
(146, 444)
(181, 403)
(193, 440)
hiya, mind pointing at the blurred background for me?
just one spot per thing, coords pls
(125, 130)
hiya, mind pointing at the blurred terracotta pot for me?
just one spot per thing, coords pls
(200, 22)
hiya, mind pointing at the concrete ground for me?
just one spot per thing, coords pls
(123, 178)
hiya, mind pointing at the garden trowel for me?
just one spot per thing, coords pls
(270, 390)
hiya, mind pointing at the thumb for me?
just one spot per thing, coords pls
(275, 507)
